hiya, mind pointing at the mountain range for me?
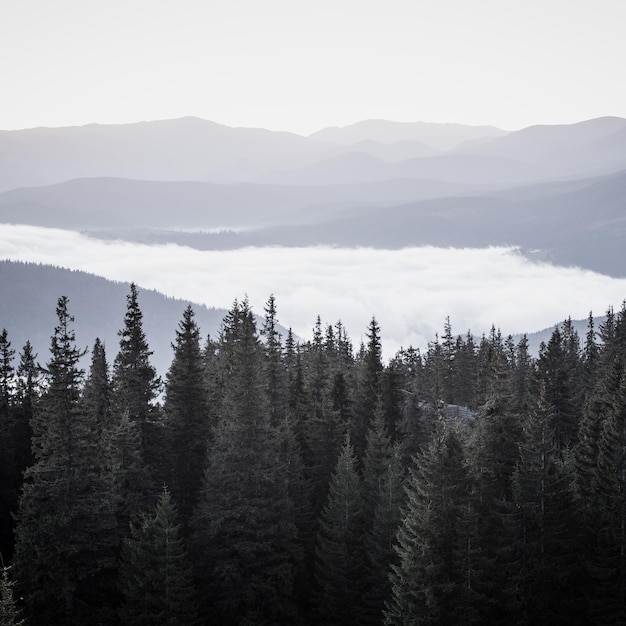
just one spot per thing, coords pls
(558, 193)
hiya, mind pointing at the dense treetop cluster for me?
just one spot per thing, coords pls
(271, 481)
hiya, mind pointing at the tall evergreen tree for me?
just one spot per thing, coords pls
(60, 556)
(27, 395)
(492, 369)
(340, 571)
(368, 391)
(135, 381)
(187, 416)
(96, 395)
(380, 537)
(607, 507)
(9, 479)
(155, 572)
(137, 431)
(16, 448)
(243, 526)
(559, 367)
(547, 530)
(436, 579)
(465, 371)
(323, 420)
(276, 373)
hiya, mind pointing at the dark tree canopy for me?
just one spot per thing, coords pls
(471, 483)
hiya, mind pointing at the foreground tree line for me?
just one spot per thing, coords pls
(270, 481)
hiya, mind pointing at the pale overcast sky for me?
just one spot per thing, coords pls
(291, 65)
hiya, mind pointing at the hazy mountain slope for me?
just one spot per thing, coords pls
(191, 149)
(392, 152)
(354, 167)
(28, 297)
(106, 203)
(590, 147)
(437, 136)
(572, 223)
(182, 149)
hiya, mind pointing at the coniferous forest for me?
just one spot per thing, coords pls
(275, 480)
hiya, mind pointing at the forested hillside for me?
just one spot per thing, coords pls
(266, 480)
(28, 292)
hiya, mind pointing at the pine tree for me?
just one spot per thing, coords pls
(137, 431)
(590, 355)
(380, 536)
(339, 571)
(16, 448)
(607, 506)
(523, 380)
(9, 478)
(465, 370)
(435, 581)
(187, 416)
(547, 533)
(368, 389)
(27, 395)
(96, 394)
(135, 381)
(61, 554)
(155, 572)
(448, 349)
(323, 420)
(243, 525)
(492, 369)
(276, 373)
(378, 453)
(559, 367)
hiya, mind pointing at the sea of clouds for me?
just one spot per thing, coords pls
(409, 291)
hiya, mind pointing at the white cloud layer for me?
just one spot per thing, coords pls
(410, 291)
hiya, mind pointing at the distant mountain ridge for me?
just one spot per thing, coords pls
(439, 137)
(575, 223)
(192, 149)
(557, 191)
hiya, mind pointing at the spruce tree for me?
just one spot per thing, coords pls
(368, 388)
(437, 577)
(155, 575)
(380, 538)
(135, 381)
(560, 371)
(243, 526)
(323, 419)
(492, 369)
(137, 430)
(10, 480)
(187, 416)
(340, 566)
(27, 395)
(16, 443)
(276, 373)
(547, 528)
(96, 394)
(607, 507)
(65, 524)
